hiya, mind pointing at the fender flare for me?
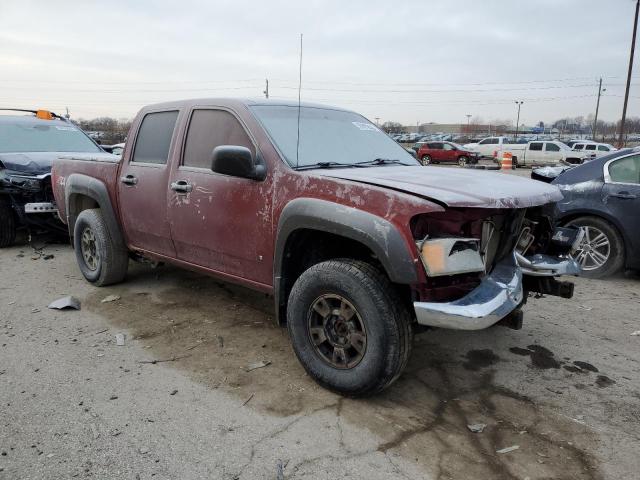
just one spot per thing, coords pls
(376, 233)
(79, 184)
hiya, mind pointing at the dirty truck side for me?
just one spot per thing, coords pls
(358, 244)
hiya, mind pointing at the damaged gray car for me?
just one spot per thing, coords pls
(29, 141)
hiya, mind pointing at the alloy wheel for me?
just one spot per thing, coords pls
(594, 250)
(88, 246)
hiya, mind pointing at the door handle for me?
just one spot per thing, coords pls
(181, 186)
(624, 195)
(129, 180)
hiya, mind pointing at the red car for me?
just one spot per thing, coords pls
(436, 152)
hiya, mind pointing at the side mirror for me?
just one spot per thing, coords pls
(236, 161)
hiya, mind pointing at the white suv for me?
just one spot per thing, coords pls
(596, 149)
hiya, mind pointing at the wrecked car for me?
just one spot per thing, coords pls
(602, 198)
(358, 243)
(28, 143)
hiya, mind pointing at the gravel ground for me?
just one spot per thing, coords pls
(564, 389)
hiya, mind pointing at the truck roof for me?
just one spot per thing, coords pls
(235, 103)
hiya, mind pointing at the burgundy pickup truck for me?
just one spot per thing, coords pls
(358, 243)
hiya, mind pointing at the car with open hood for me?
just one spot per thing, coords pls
(358, 243)
(29, 141)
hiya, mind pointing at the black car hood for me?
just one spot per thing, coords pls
(36, 163)
(455, 187)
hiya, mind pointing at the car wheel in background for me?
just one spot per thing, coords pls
(348, 327)
(7, 225)
(601, 252)
(101, 261)
(462, 160)
(426, 159)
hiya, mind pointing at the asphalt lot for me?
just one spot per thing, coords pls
(564, 389)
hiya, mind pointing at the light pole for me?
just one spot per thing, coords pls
(626, 93)
(519, 103)
(468, 119)
(377, 119)
(595, 121)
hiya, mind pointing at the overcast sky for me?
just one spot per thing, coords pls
(405, 61)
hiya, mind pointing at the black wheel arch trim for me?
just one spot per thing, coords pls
(79, 184)
(376, 233)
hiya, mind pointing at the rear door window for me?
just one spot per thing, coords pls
(154, 138)
(603, 148)
(578, 146)
(536, 146)
(209, 129)
(590, 147)
(551, 147)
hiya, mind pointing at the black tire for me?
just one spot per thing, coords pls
(462, 160)
(426, 159)
(386, 321)
(110, 262)
(7, 225)
(616, 254)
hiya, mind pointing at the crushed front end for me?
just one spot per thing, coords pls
(481, 264)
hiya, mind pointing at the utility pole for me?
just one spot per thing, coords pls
(377, 119)
(626, 93)
(595, 121)
(519, 103)
(266, 89)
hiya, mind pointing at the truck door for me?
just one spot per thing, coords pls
(534, 153)
(220, 222)
(142, 186)
(552, 153)
(621, 193)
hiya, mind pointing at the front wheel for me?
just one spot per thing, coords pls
(7, 225)
(101, 260)
(426, 159)
(348, 327)
(601, 252)
(462, 160)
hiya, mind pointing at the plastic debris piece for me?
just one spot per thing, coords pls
(636, 333)
(65, 303)
(508, 449)
(477, 427)
(110, 298)
(254, 366)
(120, 339)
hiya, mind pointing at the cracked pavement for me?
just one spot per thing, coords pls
(76, 405)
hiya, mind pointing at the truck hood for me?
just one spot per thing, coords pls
(37, 163)
(455, 187)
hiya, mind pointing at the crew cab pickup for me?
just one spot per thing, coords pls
(545, 153)
(358, 243)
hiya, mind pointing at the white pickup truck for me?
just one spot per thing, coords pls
(547, 152)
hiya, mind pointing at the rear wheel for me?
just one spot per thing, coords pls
(348, 328)
(426, 159)
(101, 260)
(601, 252)
(462, 160)
(7, 225)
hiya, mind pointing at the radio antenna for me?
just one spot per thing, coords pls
(299, 93)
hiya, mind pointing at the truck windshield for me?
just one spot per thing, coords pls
(328, 137)
(40, 136)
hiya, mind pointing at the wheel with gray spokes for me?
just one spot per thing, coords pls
(101, 259)
(89, 249)
(337, 331)
(462, 161)
(426, 159)
(601, 251)
(348, 327)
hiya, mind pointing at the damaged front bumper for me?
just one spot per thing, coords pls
(499, 293)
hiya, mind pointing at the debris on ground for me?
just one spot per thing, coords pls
(279, 470)
(113, 397)
(48, 257)
(110, 298)
(94, 431)
(477, 427)
(143, 450)
(508, 449)
(173, 392)
(220, 341)
(65, 302)
(120, 339)
(248, 399)
(172, 359)
(636, 333)
(254, 366)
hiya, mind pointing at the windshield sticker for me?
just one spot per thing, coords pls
(365, 126)
(66, 129)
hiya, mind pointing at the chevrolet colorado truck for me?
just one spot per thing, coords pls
(358, 243)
